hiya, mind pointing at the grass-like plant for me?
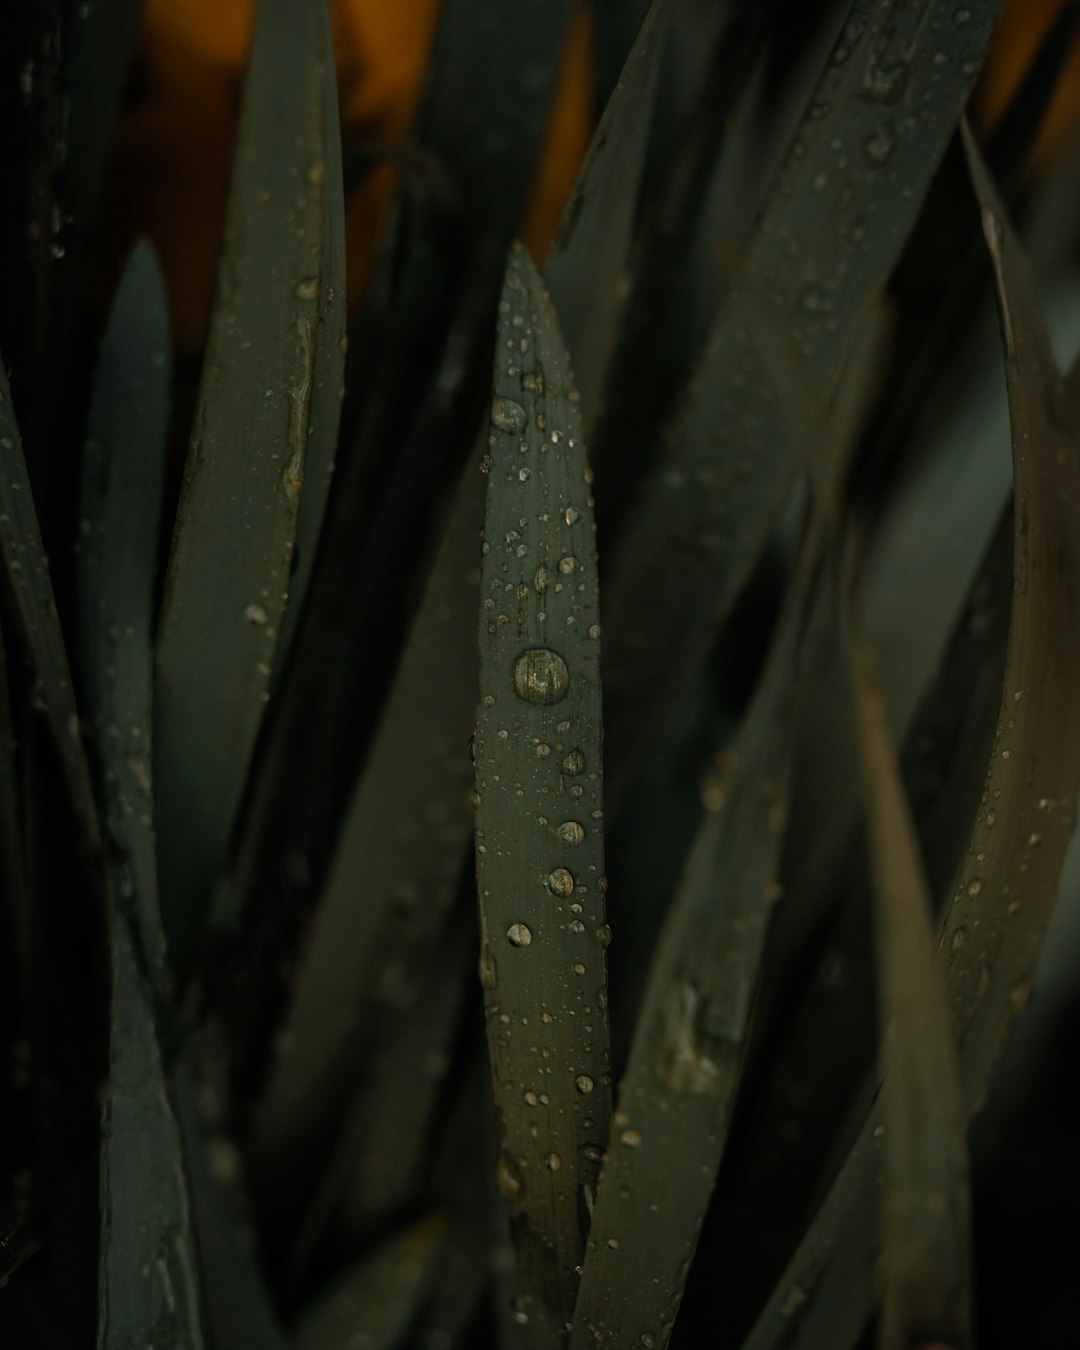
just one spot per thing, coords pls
(529, 806)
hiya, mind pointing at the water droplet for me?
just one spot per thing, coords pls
(542, 579)
(533, 381)
(613, 1243)
(507, 1177)
(647, 1339)
(603, 935)
(489, 976)
(584, 1083)
(571, 516)
(543, 751)
(570, 832)
(567, 564)
(576, 926)
(256, 614)
(519, 934)
(561, 882)
(878, 148)
(530, 1098)
(594, 631)
(574, 762)
(541, 676)
(554, 1162)
(579, 968)
(508, 415)
(307, 288)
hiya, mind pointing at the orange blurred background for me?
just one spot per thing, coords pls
(170, 168)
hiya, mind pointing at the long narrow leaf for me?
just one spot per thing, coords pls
(378, 899)
(26, 579)
(863, 158)
(927, 1258)
(121, 504)
(1017, 843)
(582, 269)
(268, 382)
(539, 825)
(676, 1099)
(149, 1284)
(149, 1290)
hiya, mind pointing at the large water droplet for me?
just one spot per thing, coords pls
(573, 763)
(541, 676)
(570, 832)
(519, 934)
(508, 415)
(561, 882)
(507, 1177)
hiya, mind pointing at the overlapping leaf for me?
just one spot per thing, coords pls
(267, 408)
(387, 904)
(1016, 846)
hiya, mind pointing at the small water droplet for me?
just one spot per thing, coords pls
(603, 935)
(307, 288)
(878, 148)
(489, 975)
(554, 1162)
(541, 676)
(256, 614)
(561, 882)
(567, 564)
(571, 516)
(576, 926)
(613, 1243)
(519, 934)
(530, 1098)
(573, 763)
(534, 380)
(542, 580)
(584, 1083)
(570, 832)
(579, 968)
(508, 415)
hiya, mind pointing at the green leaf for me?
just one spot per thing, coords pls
(676, 1099)
(843, 203)
(539, 830)
(1011, 867)
(583, 267)
(381, 1159)
(29, 589)
(417, 770)
(149, 1289)
(268, 395)
(122, 494)
(927, 1254)
(238, 1304)
(416, 385)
